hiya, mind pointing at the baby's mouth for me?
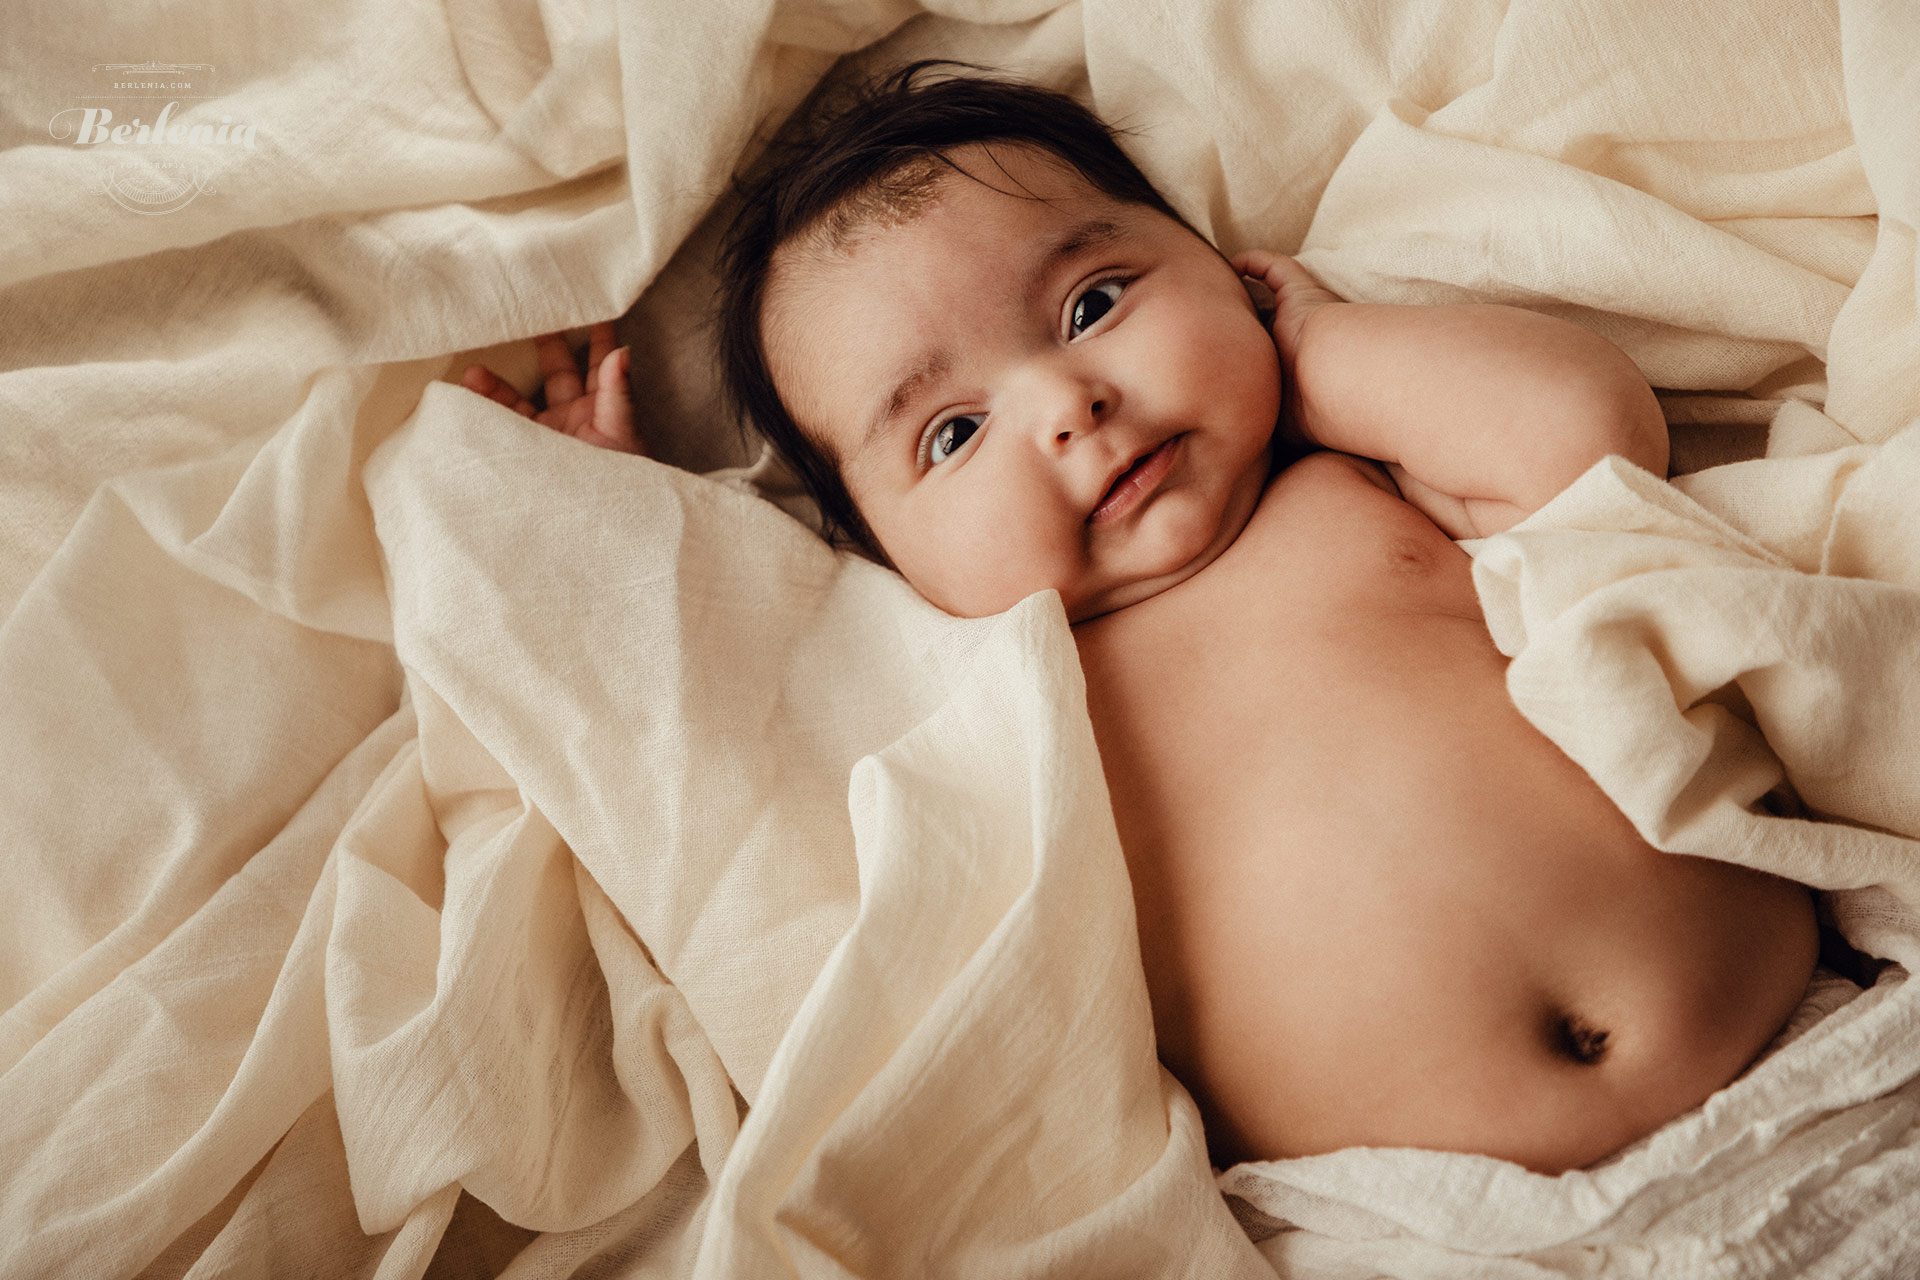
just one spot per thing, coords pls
(1131, 487)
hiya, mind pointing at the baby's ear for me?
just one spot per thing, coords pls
(1263, 301)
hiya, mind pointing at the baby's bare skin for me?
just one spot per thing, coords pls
(1376, 906)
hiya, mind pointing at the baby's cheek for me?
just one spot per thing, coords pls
(977, 581)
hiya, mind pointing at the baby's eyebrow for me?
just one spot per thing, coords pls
(1087, 235)
(934, 365)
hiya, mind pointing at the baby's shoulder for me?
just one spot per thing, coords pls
(1327, 467)
(1336, 527)
(1326, 494)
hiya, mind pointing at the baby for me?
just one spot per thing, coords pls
(1375, 906)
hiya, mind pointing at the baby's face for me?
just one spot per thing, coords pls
(1067, 392)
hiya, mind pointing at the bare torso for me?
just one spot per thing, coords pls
(1376, 906)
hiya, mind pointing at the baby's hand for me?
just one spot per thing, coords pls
(600, 412)
(1296, 295)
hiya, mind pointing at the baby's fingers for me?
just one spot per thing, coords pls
(1296, 295)
(599, 347)
(1277, 271)
(484, 381)
(613, 406)
(557, 367)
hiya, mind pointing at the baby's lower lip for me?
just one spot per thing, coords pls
(1133, 486)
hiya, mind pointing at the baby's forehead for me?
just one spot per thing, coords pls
(909, 191)
(895, 198)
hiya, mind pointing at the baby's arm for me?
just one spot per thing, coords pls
(598, 411)
(1481, 413)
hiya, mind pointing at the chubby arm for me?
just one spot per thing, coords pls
(1482, 413)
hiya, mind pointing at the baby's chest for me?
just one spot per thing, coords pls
(1331, 549)
(1339, 638)
(1333, 583)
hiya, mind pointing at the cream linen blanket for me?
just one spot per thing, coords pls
(431, 842)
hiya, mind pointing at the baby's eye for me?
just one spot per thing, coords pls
(949, 437)
(1094, 303)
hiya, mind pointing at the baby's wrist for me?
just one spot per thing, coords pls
(1294, 315)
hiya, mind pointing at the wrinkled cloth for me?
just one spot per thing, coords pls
(430, 836)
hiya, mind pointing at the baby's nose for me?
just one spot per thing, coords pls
(1096, 412)
(1072, 405)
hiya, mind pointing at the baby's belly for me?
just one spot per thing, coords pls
(1376, 906)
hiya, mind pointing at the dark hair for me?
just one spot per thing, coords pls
(847, 148)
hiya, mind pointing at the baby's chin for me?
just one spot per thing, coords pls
(1175, 550)
(1082, 600)
(1131, 591)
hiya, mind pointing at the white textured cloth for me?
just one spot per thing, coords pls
(424, 833)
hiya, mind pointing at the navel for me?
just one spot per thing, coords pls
(1574, 1038)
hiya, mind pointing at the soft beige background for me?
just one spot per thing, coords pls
(426, 833)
